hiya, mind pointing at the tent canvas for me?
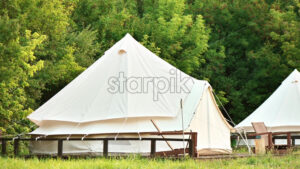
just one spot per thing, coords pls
(100, 103)
(281, 111)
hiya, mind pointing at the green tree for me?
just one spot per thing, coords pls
(253, 46)
(279, 55)
(17, 65)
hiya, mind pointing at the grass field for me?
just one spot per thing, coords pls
(267, 161)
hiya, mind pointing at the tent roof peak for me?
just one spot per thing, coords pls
(293, 77)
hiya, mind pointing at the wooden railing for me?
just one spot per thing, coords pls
(291, 139)
(191, 143)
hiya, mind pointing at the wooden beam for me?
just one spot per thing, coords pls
(133, 133)
(281, 133)
(259, 134)
(168, 133)
(96, 139)
(274, 136)
(175, 152)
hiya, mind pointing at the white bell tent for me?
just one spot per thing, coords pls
(128, 92)
(281, 111)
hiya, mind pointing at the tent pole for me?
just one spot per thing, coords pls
(182, 127)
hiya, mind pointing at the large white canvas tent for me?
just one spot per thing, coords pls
(281, 111)
(126, 93)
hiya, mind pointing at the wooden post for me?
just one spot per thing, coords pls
(153, 148)
(289, 140)
(293, 142)
(105, 148)
(16, 147)
(194, 139)
(260, 146)
(60, 148)
(270, 141)
(191, 148)
(3, 151)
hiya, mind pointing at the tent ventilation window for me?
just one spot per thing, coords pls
(122, 51)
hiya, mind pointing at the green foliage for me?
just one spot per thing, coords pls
(47, 66)
(253, 46)
(17, 65)
(85, 46)
(164, 28)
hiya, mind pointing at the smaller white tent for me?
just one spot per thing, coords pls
(281, 111)
(91, 106)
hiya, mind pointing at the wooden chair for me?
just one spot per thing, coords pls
(261, 130)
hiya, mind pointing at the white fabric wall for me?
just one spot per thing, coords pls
(130, 124)
(115, 147)
(281, 111)
(86, 106)
(213, 131)
(88, 98)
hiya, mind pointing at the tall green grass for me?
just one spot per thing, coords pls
(136, 162)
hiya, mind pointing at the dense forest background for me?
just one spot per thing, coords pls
(243, 48)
